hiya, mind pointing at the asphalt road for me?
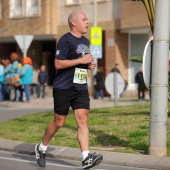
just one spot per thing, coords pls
(7, 113)
(16, 161)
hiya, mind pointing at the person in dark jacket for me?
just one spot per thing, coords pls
(141, 85)
(116, 69)
(99, 84)
(42, 81)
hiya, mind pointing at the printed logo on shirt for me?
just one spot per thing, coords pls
(83, 49)
(58, 52)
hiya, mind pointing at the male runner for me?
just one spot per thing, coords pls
(72, 61)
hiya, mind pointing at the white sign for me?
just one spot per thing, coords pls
(109, 84)
(96, 51)
(147, 63)
(24, 42)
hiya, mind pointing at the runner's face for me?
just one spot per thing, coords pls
(82, 23)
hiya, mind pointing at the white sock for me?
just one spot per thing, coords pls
(43, 147)
(84, 154)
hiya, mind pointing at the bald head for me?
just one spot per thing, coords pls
(78, 23)
(73, 17)
(141, 69)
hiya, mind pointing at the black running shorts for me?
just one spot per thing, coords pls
(64, 98)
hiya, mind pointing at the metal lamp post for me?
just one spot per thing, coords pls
(159, 80)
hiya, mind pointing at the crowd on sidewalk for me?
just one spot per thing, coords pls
(18, 75)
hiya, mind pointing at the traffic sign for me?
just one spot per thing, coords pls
(96, 36)
(96, 51)
(24, 42)
(109, 84)
(147, 59)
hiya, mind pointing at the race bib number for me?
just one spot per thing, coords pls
(80, 76)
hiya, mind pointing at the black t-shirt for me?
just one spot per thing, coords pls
(70, 47)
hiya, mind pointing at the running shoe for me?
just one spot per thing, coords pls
(92, 160)
(40, 156)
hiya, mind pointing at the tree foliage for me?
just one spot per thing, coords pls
(149, 6)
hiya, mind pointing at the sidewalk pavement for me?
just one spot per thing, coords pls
(47, 103)
(113, 158)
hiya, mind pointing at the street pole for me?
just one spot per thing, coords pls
(95, 59)
(115, 87)
(95, 13)
(24, 51)
(159, 80)
(95, 25)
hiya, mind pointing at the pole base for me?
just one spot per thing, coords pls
(157, 151)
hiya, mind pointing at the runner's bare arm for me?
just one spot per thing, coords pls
(61, 64)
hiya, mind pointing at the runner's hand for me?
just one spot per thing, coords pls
(86, 59)
(92, 66)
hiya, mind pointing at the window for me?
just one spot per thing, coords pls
(137, 44)
(33, 8)
(72, 2)
(22, 8)
(15, 8)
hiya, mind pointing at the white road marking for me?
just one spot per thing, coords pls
(62, 149)
(19, 160)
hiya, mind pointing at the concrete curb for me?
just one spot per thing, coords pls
(112, 158)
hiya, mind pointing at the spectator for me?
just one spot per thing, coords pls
(15, 60)
(34, 84)
(42, 81)
(141, 85)
(26, 74)
(17, 85)
(125, 87)
(116, 69)
(99, 83)
(8, 75)
(2, 75)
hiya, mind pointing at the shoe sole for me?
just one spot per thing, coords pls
(97, 161)
(37, 157)
(36, 154)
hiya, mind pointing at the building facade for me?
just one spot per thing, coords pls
(125, 31)
(30, 17)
